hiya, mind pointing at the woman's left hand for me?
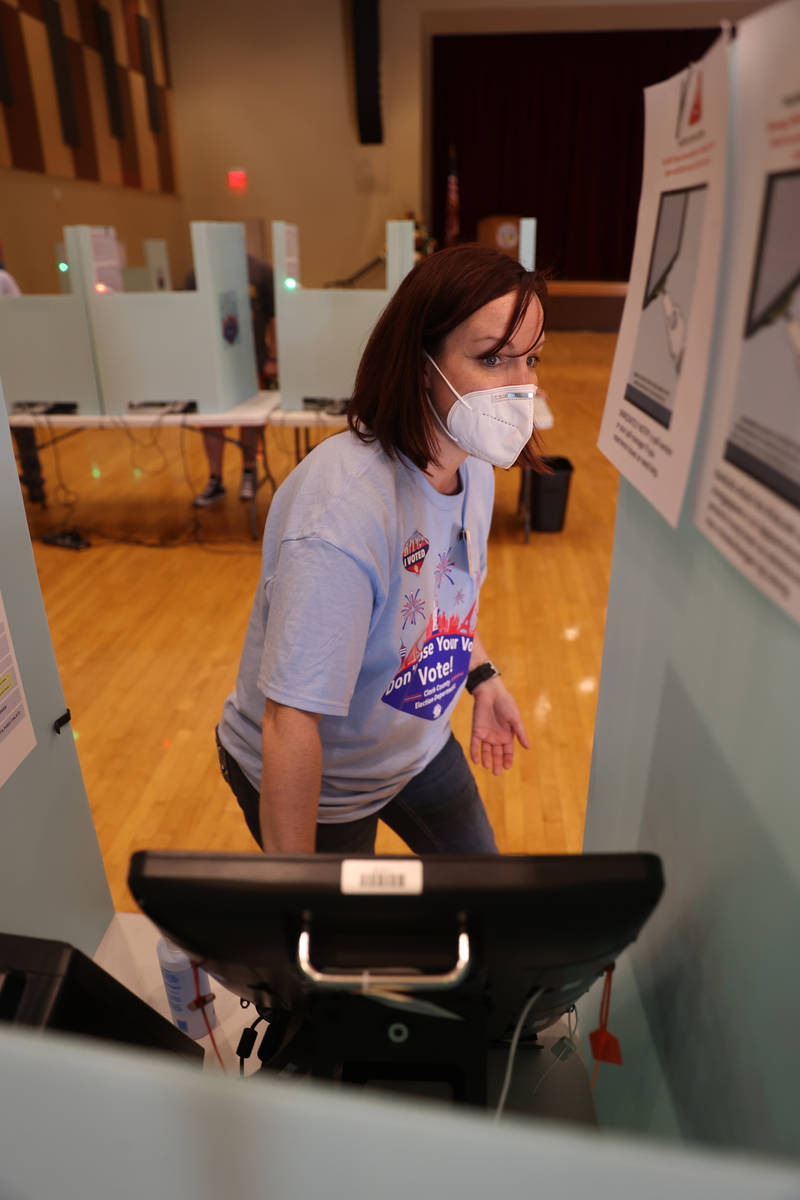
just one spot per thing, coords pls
(496, 721)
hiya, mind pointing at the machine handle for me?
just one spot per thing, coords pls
(368, 980)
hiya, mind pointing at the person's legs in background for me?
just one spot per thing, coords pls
(248, 436)
(214, 443)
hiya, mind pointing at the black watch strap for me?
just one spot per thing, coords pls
(480, 674)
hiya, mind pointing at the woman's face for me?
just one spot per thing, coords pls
(464, 355)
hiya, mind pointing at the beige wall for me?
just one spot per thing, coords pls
(35, 208)
(267, 86)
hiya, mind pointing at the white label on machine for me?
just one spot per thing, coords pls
(384, 877)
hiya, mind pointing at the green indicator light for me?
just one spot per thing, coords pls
(290, 283)
(137, 472)
(95, 471)
(62, 266)
(75, 734)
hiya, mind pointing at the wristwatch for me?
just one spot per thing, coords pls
(480, 674)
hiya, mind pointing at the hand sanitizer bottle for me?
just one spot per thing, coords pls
(181, 989)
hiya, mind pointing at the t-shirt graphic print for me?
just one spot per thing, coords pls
(438, 619)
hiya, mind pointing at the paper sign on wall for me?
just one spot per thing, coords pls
(658, 379)
(749, 500)
(17, 738)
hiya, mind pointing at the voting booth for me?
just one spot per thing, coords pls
(100, 350)
(696, 759)
(155, 275)
(191, 348)
(46, 354)
(322, 332)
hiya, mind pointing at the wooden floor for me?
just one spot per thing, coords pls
(148, 624)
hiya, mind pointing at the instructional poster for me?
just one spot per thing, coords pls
(17, 738)
(749, 501)
(658, 379)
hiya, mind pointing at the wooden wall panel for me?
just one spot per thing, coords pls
(22, 127)
(70, 19)
(88, 24)
(152, 12)
(105, 40)
(145, 139)
(58, 157)
(118, 25)
(109, 160)
(166, 174)
(146, 44)
(55, 87)
(130, 11)
(85, 154)
(5, 145)
(6, 91)
(129, 151)
(60, 68)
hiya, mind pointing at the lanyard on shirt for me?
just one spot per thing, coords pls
(463, 533)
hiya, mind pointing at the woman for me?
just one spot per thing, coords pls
(364, 626)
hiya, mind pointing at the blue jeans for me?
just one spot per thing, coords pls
(439, 811)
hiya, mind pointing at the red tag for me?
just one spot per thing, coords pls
(605, 1047)
(697, 106)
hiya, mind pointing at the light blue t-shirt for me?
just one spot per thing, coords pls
(365, 612)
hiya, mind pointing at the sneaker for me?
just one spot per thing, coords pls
(248, 489)
(211, 492)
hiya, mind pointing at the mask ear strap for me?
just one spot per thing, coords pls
(440, 372)
(439, 420)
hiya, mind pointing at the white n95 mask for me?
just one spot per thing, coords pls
(493, 424)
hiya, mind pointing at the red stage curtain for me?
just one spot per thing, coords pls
(550, 125)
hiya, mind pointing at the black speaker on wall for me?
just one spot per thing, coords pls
(366, 56)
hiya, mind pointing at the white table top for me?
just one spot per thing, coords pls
(255, 411)
(262, 409)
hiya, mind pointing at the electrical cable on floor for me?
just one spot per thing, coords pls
(191, 534)
(151, 443)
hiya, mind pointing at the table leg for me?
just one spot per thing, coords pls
(267, 472)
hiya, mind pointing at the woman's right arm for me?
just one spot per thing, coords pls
(291, 776)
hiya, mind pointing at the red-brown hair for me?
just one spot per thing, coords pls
(388, 403)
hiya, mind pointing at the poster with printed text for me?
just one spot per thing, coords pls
(17, 738)
(658, 379)
(749, 500)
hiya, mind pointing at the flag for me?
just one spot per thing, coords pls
(451, 224)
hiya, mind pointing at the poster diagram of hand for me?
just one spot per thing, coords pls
(676, 329)
(764, 437)
(666, 307)
(776, 273)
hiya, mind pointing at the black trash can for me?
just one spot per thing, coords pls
(545, 496)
